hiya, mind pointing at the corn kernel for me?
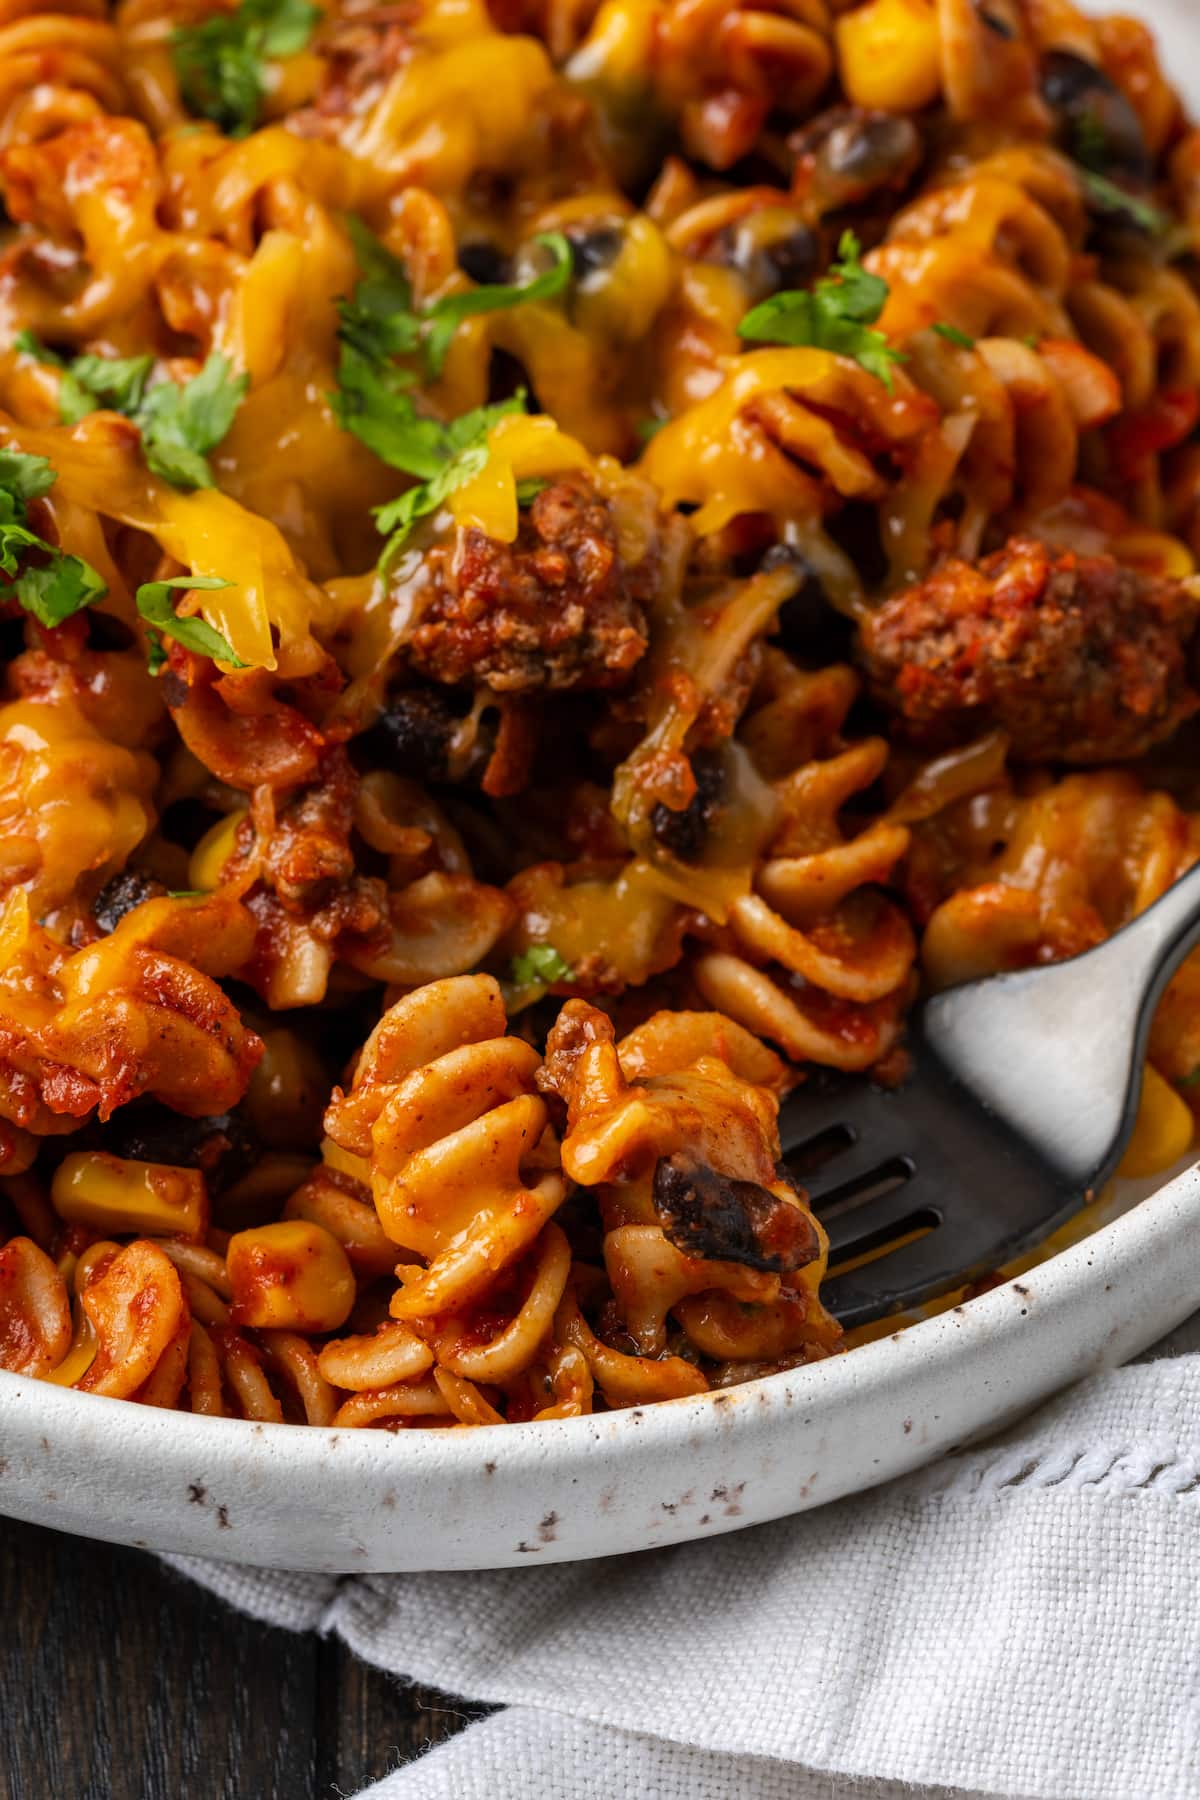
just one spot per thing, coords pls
(1163, 1132)
(109, 1194)
(289, 1276)
(889, 55)
(214, 850)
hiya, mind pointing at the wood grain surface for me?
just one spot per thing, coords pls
(122, 1681)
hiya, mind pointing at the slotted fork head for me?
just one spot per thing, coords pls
(923, 1168)
(1021, 1096)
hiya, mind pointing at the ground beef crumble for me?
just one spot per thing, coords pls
(1078, 659)
(557, 609)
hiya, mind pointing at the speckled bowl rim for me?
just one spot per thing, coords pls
(303, 1497)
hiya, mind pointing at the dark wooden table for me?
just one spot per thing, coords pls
(122, 1681)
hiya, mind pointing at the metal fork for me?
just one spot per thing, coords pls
(1022, 1096)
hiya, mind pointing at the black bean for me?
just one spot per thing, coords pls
(484, 263)
(412, 734)
(810, 629)
(870, 150)
(121, 894)
(683, 833)
(767, 258)
(597, 247)
(854, 152)
(713, 1216)
(222, 1147)
(1096, 122)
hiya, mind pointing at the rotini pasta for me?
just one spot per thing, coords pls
(559, 561)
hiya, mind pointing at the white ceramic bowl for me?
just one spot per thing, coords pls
(347, 1501)
(284, 1496)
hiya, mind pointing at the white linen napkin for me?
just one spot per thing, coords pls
(1022, 1619)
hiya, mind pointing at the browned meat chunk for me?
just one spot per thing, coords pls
(556, 609)
(1078, 659)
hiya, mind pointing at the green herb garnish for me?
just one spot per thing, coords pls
(528, 491)
(539, 965)
(179, 424)
(446, 315)
(155, 604)
(462, 450)
(379, 319)
(649, 428)
(953, 335)
(57, 585)
(1104, 196)
(220, 61)
(835, 314)
(374, 397)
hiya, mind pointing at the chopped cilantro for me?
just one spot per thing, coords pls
(187, 893)
(26, 477)
(835, 314)
(528, 491)
(463, 452)
(649, 428)
(181, 424)
(220, 61)
(89, 382)
(178, 424)
(953, 335)
(374, 397)
(1189, 1081)
(539, 965)
(446, 315)
(54, 588)
(379, 320)
(1104, 196)
(156, 606)
(118, 382)
(1089, 139)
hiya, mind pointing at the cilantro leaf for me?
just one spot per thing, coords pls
(219, 61)
(953, 335)
(1104, 196)
(372, 401)
(528, 491)
(156, 606)
(89, 382)
(118, 382)
(539, 965)
(55, 590)
(447, 314)
(649, 428)
(74, 401)
(464, 454)
(24, 477)
(60, 585)
(180, 424)
(374, 397)
(835, 315)
(378, 319)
